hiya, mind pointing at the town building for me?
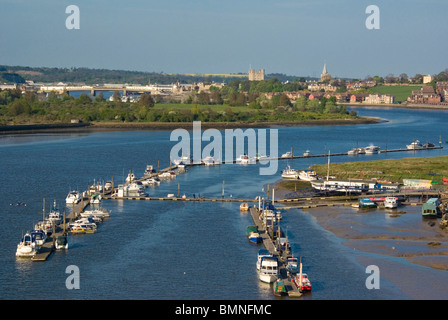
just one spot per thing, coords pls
(427, 79)
(325, 76)
(426, 95)
(379, 99)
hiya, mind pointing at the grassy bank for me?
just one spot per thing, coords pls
(394, 170)
(401, 93)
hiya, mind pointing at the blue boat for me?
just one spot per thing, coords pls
(253, 235)
(366, 203)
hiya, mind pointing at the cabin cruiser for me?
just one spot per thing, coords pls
(372, 150)
(415, 145)
(73, 197)
(308, 175)
(390, 202)
(307, 153)
(289, 173)
(26, 248)
(101, 213)
(268, 269)
(209, 161)
(245, 159)
(61, 242)
(353, 152)
(262, 253)
(183, 159)
(287, 155)
(38, 237)
(85, 223)
(151, 182)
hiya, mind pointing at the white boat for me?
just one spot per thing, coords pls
(61, 242)
(167, 175)
(108, 186)
(245, 159)
(73, 197)
(372, 150)
(244, 206)
(415, 145)
(209, 161)
(135, 188)
(183, 159)
(54, 216)
(289, 173)
(151, 182)
(353, 152)
(390, 203)
(268, 269)
(102, 213)
(262, 253)
(361, 150)
(308, 175)
(25, 247)
(307, 153)
(85, 223)
(287, 155)
(95, 198)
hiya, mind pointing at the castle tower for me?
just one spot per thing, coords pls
(256, 75)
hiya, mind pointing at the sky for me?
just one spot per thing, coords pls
(293, 37)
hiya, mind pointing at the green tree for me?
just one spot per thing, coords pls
(146, 100)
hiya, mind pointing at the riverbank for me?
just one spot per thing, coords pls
(121, 126)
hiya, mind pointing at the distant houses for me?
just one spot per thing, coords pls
(426, 95)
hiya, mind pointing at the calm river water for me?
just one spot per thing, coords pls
(177, 250)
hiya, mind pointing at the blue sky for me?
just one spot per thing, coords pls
(227, 36)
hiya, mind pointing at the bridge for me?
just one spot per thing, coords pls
(124, 89)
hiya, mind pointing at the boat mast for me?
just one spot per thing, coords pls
(300, 274)
(328, 166)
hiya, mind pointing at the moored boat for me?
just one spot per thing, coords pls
(268, 269)
(73, 197)
(415, 145)
(61, 242)
(390, 203)
(308, 175)
(54, 216)
(302, 282)
(209, 161)
(279, 288)
(353, 152)
(244, 206)
(287, 155)
(25, 248)
(253, 235)
(291, 264)
(366, 203)
(289, 173)
(372, 150)
(307, 153)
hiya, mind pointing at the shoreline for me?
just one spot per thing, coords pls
(124, 126)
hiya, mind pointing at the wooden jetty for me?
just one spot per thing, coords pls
(269, 244)
(49, 246)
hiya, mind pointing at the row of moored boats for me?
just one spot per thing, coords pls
(268, 265)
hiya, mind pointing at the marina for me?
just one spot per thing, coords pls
(177, 198)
